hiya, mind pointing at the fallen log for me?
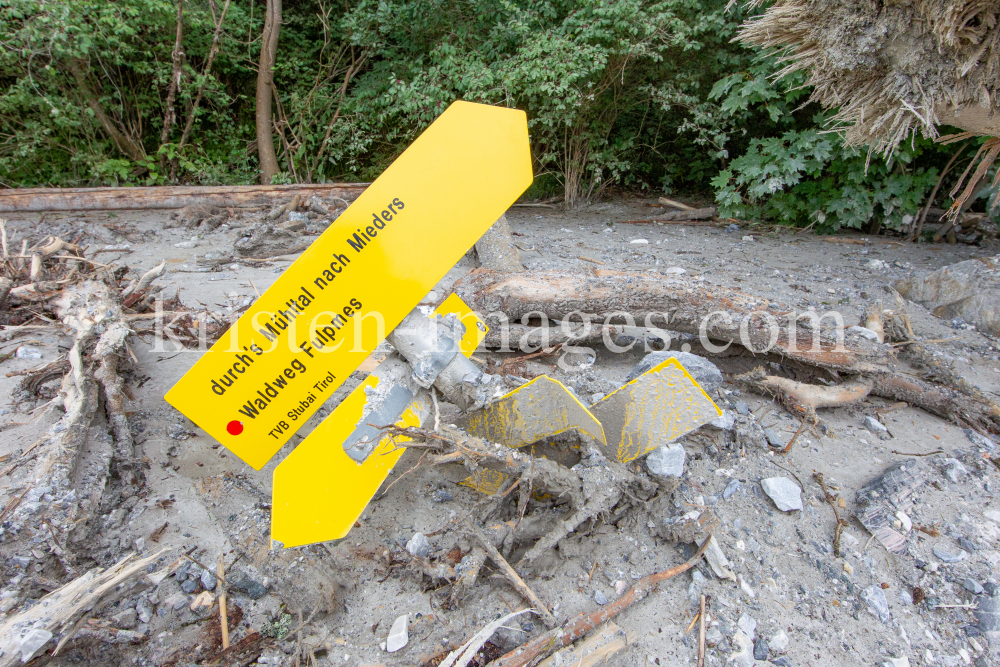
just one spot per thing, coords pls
(40, 200)
(721, 318)
(691, 214)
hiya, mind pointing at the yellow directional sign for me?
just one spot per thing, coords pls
(319, 491)
(326, 313)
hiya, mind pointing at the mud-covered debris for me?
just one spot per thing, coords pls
(704, 372)
(785, 493)
(667, 460)
(265, 240)
(880, 500)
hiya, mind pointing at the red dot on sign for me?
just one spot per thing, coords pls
(234, 427)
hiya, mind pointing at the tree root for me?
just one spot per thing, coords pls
(804, 399)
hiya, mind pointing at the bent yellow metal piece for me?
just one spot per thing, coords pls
(536, 410)
(326, 313)
(319, 491)
(657, 407)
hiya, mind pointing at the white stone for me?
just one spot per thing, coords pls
(399, 635)
(747, 589)
(748, 625)
(419, 546)
(748, 239)
(863, 332)
(784, 492)
(639, 242)
(33, 642)
(875, 426)
(848, 540)
(725, 422)
(778, 642)
(897, 662)
(667, 460)
(717, 560)
(25, 352)
(744, 656)
(904, 520)
(674, 271)
(992, 516)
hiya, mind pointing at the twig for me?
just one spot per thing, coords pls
(589, 259)
(832, 502)
(512, 576)
(393, 482)
(581, 624)
(223, 619)
(437, 410)
(933, 340)
(788, 447)
(701, 634)
(939, 451)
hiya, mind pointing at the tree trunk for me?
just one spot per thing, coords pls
(265, 74)
(175, 77)
(126, 144)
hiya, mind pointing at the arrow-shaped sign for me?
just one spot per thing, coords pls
(326, 313)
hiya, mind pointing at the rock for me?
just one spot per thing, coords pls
(876, 427)
(778, 642)
(748, 625)
(718, 561)
(966, 544)
(876, 265)
(742, 408)
(399, 635)
(981, 441)
(189, 586)
(880, 499)
(208, 580)
(743, 656)
(247, 586)
(991, 589)
(973, 586)
(874, 598)
(724, 422)
(25, 352)
(904, 521)
(126, 619)
(667, 460)
(949, 557)
(176, 601)
(760, 649)
(897, 662)
(969, 290)
(731, 488)
(863, 332)
(600, 598)
(773, 438)
(419, 546)
(784, 492)
(782, 662)
(144, 610)
(33, 642)
(954, 470)
(704, 372)
(988, 614)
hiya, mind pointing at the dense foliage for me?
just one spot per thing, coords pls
(635, 94)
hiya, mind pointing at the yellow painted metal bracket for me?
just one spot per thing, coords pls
(319, 491)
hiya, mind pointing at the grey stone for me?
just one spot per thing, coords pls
(874, 598)
(704, 372)
(748, 625)
(876, 427)
(731, 488)
(980, 441)
(189, 586)
(419, 546)
(600, 598)
(782, 662)
(742, 408)
(144, 609)
(988, 614)
(949, 557)
(991, 589)
(126, 619)
(784, 492)
(33, 642)
(667, 460)
(760, 649)
(724, 422)
(399, 634)
(21, 561)
(966, 544)
(954, 470)
(208, 580)
(773, 438)
(969, 290)
(247, 586)
(973, 586)
(25, 352)
(779, 641)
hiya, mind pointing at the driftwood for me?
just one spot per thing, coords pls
(56, 612)
(691, 214)
(723, 317)
(580, 625)
(166, 197)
